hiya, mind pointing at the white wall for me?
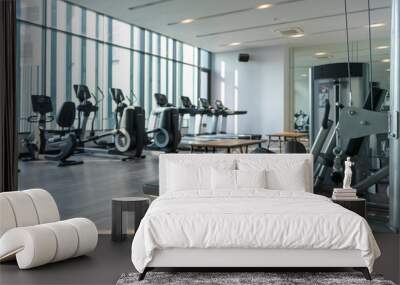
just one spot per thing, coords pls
(301, 95)
(261, 88)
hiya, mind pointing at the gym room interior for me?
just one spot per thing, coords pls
(199, 142)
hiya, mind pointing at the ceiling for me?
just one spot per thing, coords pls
(218, 23)
(304, 57)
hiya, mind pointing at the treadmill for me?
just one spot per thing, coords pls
(225, 113)
(219, 116)
(212, 117)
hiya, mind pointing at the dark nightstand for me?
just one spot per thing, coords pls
(138, 205)
(357, 205)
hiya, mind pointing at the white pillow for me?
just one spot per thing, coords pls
(291, 178)
(251, 178)
(183, 177)
(223, 179)
(186, 176)
(284, 172)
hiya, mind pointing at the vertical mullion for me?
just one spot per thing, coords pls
(68, 51)
(150, 74)
(110, 70)
(142, 70)
(131, 63)
(198, 68)
(96, 68)
(53, 56)
(209, 76)
(167, 68)
(44, 48)
(159, 64)
(174, 63)
(83, 47)
(180, 74)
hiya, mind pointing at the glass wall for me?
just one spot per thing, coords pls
(60, 44)
(305, 58)
(321, 74)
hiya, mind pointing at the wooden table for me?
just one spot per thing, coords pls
(285, 136)
(227, 144)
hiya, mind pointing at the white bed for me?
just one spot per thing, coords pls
(216, 224)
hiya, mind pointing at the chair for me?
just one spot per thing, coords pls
(31, 231)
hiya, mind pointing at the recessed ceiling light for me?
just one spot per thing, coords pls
(322, 55)
(264, 6)
(386, 60)
(186, 21)
(297, 36)
(376, 25)
(382, 47)
(234, 44)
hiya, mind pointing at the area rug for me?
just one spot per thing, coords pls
(244, 278)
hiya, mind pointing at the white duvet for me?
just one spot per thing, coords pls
(250, 219)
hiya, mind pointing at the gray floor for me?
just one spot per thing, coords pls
(103, 266)
(86, 190)
(110, 259)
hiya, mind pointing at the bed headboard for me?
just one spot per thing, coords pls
(209, 159)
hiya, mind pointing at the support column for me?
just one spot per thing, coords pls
(394, 171)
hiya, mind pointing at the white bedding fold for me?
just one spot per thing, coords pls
(250, 218)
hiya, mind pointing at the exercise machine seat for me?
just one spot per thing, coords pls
(293, 146)
(31, 231)
(66, 115)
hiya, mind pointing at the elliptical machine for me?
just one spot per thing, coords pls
(119, 98)
(59, 147)
(131, 118)
(164, 126)
(122, 138)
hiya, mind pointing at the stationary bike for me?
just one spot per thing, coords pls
(58, 147)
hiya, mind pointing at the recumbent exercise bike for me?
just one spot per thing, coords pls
(58, 147)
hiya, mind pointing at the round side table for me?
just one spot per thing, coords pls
(138, 205)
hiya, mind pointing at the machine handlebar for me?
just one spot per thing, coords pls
(133, 100)
(325, 119)
(96, 99)
(36, 118)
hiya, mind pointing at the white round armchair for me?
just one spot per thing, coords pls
(31, 231)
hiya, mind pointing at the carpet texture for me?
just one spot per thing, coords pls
(244, 278)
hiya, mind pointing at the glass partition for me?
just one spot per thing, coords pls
(354, 79)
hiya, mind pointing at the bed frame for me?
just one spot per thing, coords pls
(242, 259)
